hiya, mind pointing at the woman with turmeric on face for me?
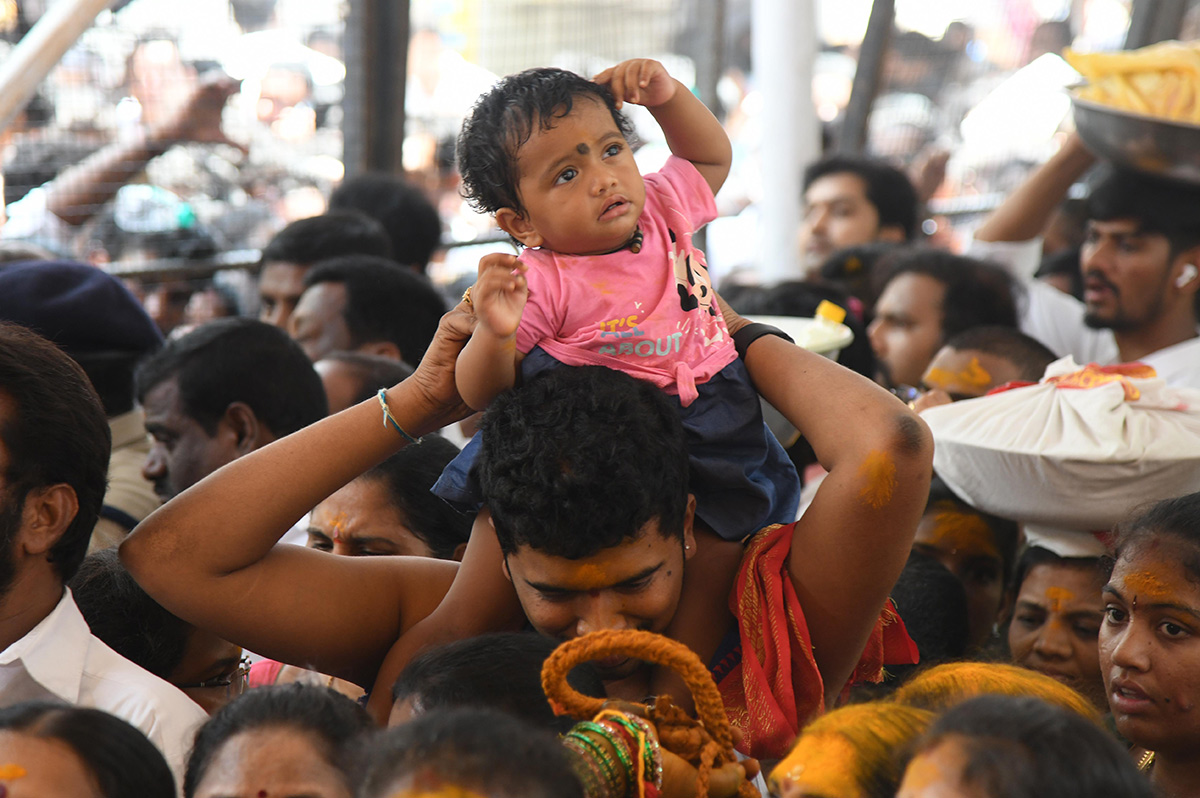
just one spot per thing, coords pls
(1150, 642)
(1056, 616)
(976, 547)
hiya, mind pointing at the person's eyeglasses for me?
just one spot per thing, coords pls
(233, 683)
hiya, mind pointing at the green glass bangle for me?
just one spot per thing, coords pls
(619, 746)
(610, 770)
(652, 753)
(595, 785)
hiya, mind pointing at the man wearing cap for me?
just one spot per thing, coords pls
(92, 317)
(1139, 260)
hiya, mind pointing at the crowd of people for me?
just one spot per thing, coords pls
(328, 551)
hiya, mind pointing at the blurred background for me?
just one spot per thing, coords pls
(965, 96)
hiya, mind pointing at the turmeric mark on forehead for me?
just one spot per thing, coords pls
(959, 532)
(338, 527)
(10, 772)
(591, 577)
(1149, 586)
(974, 375)
(1056, 597)
(878, 475)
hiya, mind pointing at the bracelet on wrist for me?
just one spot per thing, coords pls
(388, 418)
(752, 332)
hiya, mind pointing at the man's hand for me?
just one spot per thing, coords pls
(500, 294)
(640, 81)
(733, 321)
(434, 375)
(199, 117)
(934, 398)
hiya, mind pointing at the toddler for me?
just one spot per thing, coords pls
(608, 274)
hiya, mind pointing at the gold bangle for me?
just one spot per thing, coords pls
(466, 297)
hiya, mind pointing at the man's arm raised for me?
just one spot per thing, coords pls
(851, 544)
(209, 554)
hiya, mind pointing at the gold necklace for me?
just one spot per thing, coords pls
(1146, 762)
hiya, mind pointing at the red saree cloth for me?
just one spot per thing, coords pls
(776, 688)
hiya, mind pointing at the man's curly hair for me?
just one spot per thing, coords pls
(503, 119)
(579, 460)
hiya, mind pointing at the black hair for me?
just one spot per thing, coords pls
(887, 188)
(331, 719)
(372, 371)
(252, 15)
(55, 431)
(977, 293)
(1033, 556)
(501, 671)
(384, 302)
(125, 618)
(1178, 517)
(505, 117)
(1003, 530)
(1028, 354)
(589, 450)
(185, 243)
(330, 235)
(405, 211)
(409, 475)
(1024, 747)
(933, 604)
(481, 750)
(118, 757)
(854, 270)
(239, 360)
(1165, 207)
(801, 298)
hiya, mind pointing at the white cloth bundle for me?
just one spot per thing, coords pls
(1077, 451)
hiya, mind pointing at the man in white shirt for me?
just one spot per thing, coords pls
(1139, 262)
(54, 449)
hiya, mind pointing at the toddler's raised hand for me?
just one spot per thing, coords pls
(500, 293)
(641, 81)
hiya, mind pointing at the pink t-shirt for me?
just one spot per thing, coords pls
(649, 314)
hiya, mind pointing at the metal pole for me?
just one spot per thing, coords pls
(377, 33)
(1154, 21)
(852, 139)
(40, 50)
(711, 14)
(784, 44)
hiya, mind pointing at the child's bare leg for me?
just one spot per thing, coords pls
(702, 618)
(480, 600)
